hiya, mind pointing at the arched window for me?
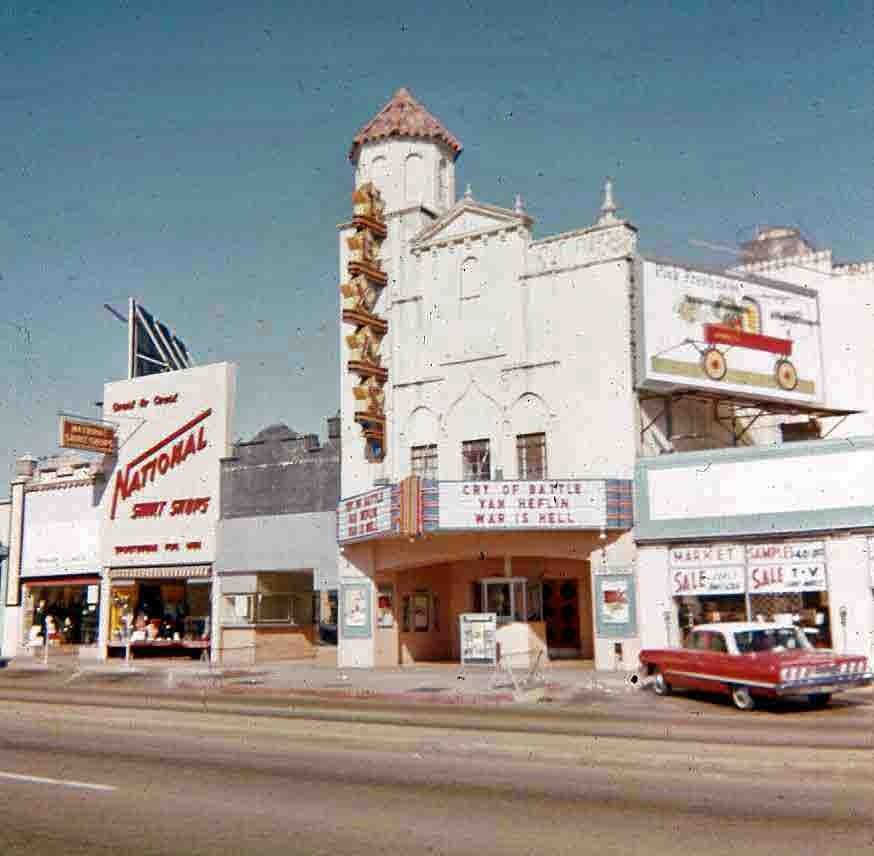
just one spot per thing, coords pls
(414, 174)
(471, 278)
(443, 182)
(378, 172)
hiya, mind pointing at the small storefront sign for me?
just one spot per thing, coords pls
(87, 435)
(567, 504)
(706, 581)
(706, 555)
(365, 516)
(478, 633)
(790, 566)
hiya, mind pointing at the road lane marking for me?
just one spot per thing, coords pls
(67, 783)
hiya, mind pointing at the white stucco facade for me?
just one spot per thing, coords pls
(493, 335)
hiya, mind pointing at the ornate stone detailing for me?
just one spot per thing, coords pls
(359, 297)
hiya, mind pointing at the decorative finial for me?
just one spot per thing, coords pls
(468, 193)
(519, 206)
(608, 207)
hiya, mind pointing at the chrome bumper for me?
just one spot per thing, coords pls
(825, 684)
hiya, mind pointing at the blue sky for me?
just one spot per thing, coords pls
(193, 155)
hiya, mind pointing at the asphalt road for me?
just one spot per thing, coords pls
(670, 775)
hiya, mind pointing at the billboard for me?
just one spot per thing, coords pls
(152, 346)
(161, 503)
(726, 333)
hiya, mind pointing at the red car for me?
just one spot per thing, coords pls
(750, 659)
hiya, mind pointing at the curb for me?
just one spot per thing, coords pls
(362, 693)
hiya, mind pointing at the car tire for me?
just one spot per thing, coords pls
(742, 698)
(819, 699)
(660, 686)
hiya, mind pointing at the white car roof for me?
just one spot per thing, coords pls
(741, 626)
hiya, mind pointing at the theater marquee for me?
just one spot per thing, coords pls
(574, 504)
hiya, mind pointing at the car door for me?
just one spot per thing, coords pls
(716, 662)
(699, 663)
(683, 666)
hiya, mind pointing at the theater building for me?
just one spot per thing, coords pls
(487, 414)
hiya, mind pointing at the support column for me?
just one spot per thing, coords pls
(24, 470)
(105, 612)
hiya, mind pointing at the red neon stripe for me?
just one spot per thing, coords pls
(187, 426)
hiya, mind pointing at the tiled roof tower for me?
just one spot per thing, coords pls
(403, 116)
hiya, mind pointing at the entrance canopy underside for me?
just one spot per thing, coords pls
(739, 413)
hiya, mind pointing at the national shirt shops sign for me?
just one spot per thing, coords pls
(161, 504)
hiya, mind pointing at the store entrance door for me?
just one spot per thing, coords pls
(562, 617)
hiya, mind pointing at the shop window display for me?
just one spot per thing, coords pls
(160, 612)
(63, 615)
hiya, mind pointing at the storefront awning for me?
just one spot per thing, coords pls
(161, 572)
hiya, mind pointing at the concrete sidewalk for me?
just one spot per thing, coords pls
(433, 683)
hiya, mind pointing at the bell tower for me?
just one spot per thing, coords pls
(408, 155)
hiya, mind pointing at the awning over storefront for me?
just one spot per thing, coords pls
(54, 580)
(161, 572)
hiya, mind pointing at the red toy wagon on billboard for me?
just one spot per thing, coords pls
(719, 339)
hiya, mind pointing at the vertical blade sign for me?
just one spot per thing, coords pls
(360, 294)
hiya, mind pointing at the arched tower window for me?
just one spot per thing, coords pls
(414, 174)
(471, 278)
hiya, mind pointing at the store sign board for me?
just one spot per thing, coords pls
(367, 515)
(567, 504)
(766, 568)
(161, 503)
(86, 435)
(790, 566)
(61, 530)
(786, 577)
(706, 555)
(727, 334)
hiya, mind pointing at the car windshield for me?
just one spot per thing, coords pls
(771, 639)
